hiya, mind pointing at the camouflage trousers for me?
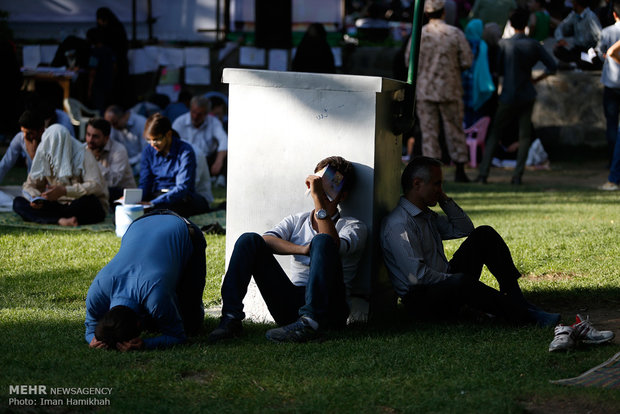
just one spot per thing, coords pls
(451, 115)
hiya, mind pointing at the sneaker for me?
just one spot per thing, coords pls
(609, 186)
(228, 328)
(542, 318)
(563, 339)
(586, 333)
(220, 181)
(299, 331)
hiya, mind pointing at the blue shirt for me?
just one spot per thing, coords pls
(175, 172)
(16, 148)
(143, 276)
(610, 77)
(175, 110)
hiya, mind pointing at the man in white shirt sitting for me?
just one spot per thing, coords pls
(325, 251)
(128, 129)
(206, 133)
(111, 157)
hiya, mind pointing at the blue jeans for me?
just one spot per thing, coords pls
(614, 171)
(322, 299)
(611, 107)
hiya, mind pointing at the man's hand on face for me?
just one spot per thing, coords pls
(442, 197)
(315, 184)
(134, 344)
(94, 343)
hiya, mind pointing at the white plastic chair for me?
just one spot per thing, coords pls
(79, 115)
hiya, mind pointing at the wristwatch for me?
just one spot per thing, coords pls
(321, 214)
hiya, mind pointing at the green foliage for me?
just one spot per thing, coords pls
(565, 242)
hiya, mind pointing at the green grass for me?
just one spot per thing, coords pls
(565, 241)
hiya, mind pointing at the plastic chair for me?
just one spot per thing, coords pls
(475, 136)
(79, 115)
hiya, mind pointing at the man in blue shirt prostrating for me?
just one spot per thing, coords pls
(155, 282)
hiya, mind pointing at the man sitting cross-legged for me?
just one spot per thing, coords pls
(155, 282)
(325, 248)
(433, 287)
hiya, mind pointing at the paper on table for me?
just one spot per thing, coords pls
(47, 53)
(170, 56)
(32, 56)
(197, 75)
(278, 59)
(251, 56)
(196, 56)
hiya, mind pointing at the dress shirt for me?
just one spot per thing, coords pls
(581, 30)
(412, 245)
(174, 172)
(132, 137)
(114, 165)
(143, 276)
(516, 58)
(209, 138)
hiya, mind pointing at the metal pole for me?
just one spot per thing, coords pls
(416, 32)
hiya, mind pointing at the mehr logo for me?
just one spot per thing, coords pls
(27, 389)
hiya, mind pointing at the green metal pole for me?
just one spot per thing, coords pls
(416, 32)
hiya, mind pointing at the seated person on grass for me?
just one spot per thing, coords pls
(155, 282)
(111, 157)
(429, 285)
(326, 249)
(168, 170)
(65, 185)
(24, 143)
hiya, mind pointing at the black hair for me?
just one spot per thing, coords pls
(418, 167)
(437, 14)
(119, 324)
(100, 124)
(157, 125)
(31, 120)
(343, 166)
(519, 18)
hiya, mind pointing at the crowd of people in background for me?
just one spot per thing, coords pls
(470, 50)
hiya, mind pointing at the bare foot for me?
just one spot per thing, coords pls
(71, 221)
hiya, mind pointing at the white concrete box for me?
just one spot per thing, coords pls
(280, 125)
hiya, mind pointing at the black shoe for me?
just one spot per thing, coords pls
(228, 328)
(481, 179)
(299, 331)
(516, 180)
(459, 174)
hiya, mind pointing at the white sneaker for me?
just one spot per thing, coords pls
(220, 181)
(609, 186)
(586, 333)
(563, 340)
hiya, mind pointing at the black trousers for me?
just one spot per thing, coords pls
(87, 210)
(484, 246)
